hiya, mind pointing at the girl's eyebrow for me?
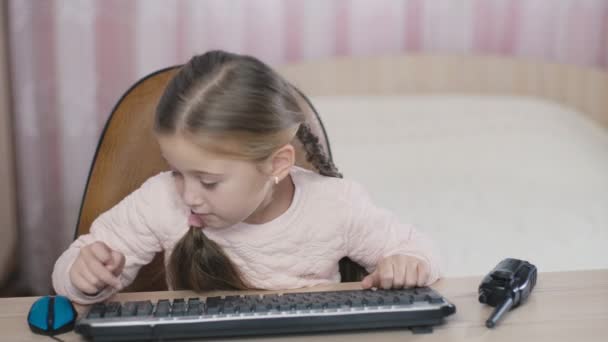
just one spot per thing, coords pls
(203, 173)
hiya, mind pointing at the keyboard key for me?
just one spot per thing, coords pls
(376, 301)
(163, 308)
(263, 307)
(230, 308)
(330, 305)
(419, 298)
(97, 311)
(247, 306)
(389, 298)
(213, 301)
(178, 308)
(405, 299)
(144, 308)
(214, 305)
(316, 306)
(271, 297)
(358, 302)
(213, 310)
(301, 306)
(128, 309)
(423, 290)
(112, 310)
(195, 307)
(434, 298)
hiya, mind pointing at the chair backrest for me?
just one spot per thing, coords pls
(128, 154)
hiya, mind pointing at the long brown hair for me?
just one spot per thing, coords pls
(217, 96)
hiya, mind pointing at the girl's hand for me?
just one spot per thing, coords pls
(96, 267)
(398, 271)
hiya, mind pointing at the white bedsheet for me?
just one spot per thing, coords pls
(487, 177)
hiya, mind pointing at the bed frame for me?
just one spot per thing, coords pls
(582, 88)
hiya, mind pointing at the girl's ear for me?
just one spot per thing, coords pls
(282, 160)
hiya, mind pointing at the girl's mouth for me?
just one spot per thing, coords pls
(196, 220)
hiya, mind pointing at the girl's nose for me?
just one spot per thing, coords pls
(193, 197)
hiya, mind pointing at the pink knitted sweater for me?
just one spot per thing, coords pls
(329, 218)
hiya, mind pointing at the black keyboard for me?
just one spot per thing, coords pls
(307, 312)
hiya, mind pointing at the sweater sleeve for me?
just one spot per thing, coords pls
(129, 228)
(374, 233)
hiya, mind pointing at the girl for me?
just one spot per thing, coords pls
(234, 212)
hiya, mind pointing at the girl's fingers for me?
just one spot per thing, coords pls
(411, 274)
(100, 271)
(92, 278)
(101, 252)
(369, 281)
(83, 285)
(385, 270)
(399, 273)
(375, 278)
(423, 274)
(117, 264)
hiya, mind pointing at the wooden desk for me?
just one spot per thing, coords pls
(564, 306)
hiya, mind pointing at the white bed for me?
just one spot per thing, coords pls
(487, 176)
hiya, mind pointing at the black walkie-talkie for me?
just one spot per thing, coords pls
(507, 286)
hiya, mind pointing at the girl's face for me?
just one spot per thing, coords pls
(220, 192)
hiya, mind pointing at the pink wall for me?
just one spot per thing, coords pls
(71, 61)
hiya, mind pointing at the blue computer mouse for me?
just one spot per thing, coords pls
(50, 315)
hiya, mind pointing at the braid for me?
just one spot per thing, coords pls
(315, 154)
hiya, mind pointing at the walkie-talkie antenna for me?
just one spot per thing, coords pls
(498, 312)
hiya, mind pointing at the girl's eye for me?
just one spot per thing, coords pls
(175, 173)
(209, 185)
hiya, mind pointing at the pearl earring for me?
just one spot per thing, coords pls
(276, 180)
